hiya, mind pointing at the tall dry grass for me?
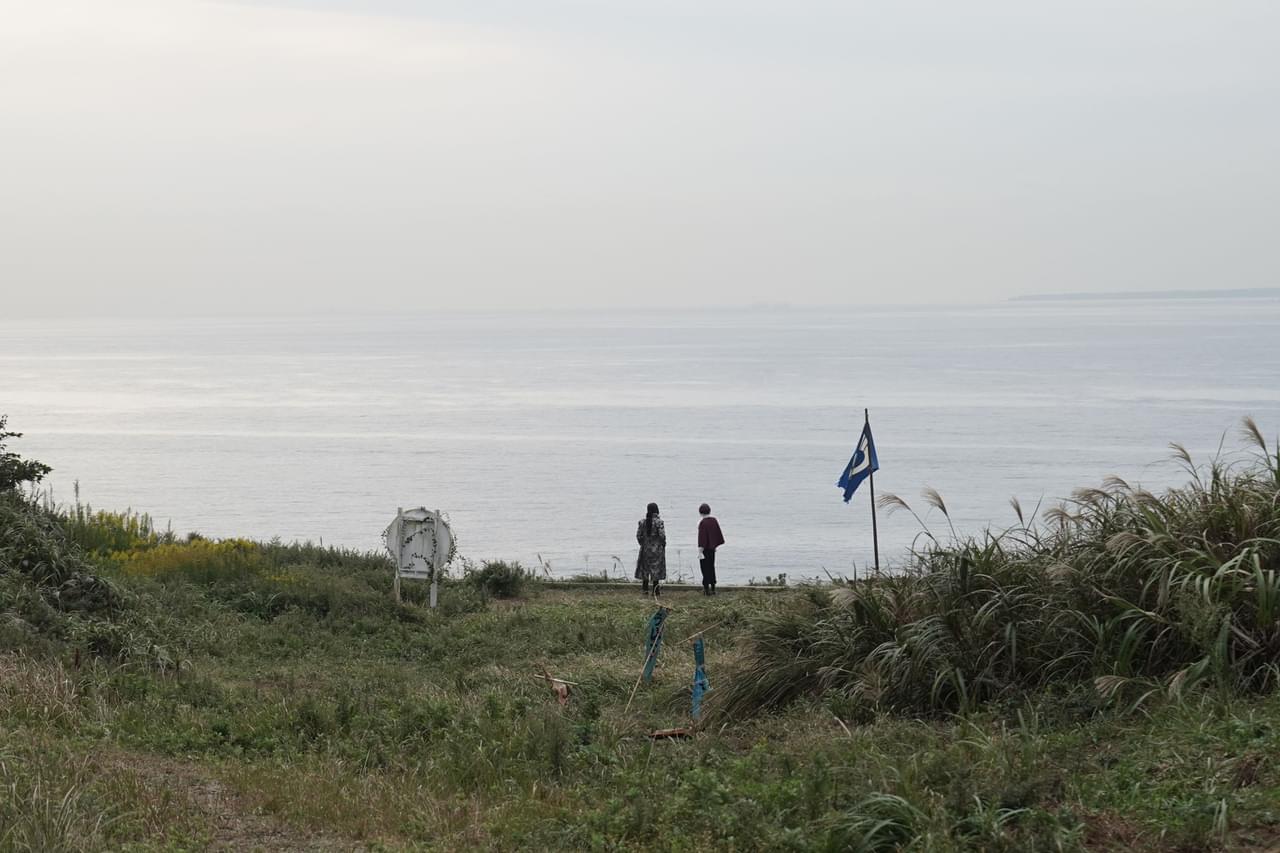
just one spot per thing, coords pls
(1132, 592)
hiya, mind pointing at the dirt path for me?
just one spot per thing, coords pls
(233, 823)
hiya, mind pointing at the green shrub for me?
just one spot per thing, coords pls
(327, 557)
(881, 822)
(500, 579)
(457, 599)
(100, 533)
(198, 560)
(14, 470)
(33, 545)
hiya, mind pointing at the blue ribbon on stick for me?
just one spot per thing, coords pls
(701, 684)
(653, 642)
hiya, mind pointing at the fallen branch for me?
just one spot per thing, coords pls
(558, 686)
(703, 631)
(670, 733)
(552, 678)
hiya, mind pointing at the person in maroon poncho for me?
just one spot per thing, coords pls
(709, 539)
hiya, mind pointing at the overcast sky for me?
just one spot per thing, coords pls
(168, 155)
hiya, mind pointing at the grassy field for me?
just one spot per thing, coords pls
(364, 725)
(173, 693)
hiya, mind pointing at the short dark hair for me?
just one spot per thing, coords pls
(705, 509)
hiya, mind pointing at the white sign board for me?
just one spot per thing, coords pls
(420, 542)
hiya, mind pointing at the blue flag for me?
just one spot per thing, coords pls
(700, 682)
(864, 461)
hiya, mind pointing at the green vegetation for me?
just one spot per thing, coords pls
(164, 692)
(1129, 593)
(14, 470)
(500, 580)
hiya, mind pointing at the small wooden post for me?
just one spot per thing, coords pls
(436, 559)
(395, 584)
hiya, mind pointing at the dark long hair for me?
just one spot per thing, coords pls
(651, 512)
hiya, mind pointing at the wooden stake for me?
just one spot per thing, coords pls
(395, 583)
(435, 560)
(560, 688)
(553, 679)
(703, 631)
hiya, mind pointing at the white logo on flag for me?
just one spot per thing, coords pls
(858, 466)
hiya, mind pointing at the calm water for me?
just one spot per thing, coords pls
(546, 435)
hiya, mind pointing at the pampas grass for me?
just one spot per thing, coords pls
(1132, 593)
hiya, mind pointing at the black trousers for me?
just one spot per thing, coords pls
(708, 566)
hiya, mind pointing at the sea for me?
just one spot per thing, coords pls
(542, 436)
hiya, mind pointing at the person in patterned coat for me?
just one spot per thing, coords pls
(651, 563)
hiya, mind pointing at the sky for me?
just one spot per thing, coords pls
(172, 156)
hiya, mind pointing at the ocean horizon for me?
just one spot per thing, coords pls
(543, 435)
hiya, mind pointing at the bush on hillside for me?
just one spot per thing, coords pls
(101, 533)
(267, 580)
(328, 556)
(197, 560)
(14, 470)
(33, 546)
(499, 579)
(1123, 589)
(51, 599)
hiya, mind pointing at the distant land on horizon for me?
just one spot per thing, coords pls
(1238, 293)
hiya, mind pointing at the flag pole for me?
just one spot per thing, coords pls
(875, 534)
